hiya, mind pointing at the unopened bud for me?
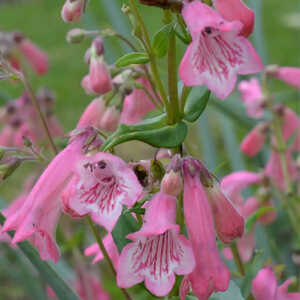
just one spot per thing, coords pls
(172, 184)
(98, 47)
(110, 119)
(72, 10)
(75, 36)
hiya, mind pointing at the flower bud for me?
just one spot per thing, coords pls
(75, 36)
(72, 10)
(172, 184)
(110, 119)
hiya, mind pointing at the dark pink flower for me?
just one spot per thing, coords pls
(35, 56)
(218, 52)
(253, 97)
(72, 10)
(158, 250)
(236, 10)
(264, 286)
(210, 274)
(137, 104)
(101, 185)
(254, 141)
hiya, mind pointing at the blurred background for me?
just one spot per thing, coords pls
(216, 136)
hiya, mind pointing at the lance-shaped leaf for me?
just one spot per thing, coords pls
(126, 224)
(59, 286)
(132, 58)
(155, 132)
(196, 103)
(160, 41)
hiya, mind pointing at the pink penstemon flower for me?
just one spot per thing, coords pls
(253, 97)
(289, 75)
(204, 206)
(137, 104)
(158, 250)
(218, 52)
(264, 286)
(102, 183)
(72, 10)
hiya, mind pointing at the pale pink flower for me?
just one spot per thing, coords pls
(110, 247)
(110, 119)
(101, 185)
(264, 286)
(218, 52)
(255, 140)
(85, 83)
(210, 274)
(274, 170)
(236, 10)
(289, 75)
(54, 126)
(35, 56)
(158, 250)
(92, 114)
(253, 97)
(234, 183)
(7, 136)
(137, 104)
(72, 10)
(172, 184)
(36, 220)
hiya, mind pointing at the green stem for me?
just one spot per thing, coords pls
(172, 71)
(38, 111)
(237, 259)
(152, 58)
(104, 252)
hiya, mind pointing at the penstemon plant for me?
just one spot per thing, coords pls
(165, 225)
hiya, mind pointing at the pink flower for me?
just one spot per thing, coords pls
(158, 250)
(72, 10)
(85, 83)
(172, 184)
(99, 77)
(236, 10)
(110, 247)
(253, 97)
(218, 51)
(7, 136)
(37, 218)
(255, 140)
(274, 170)
(210, 274)
(37, 59)
(289, 75)
(264, 286)
(110, 119)
(137, 104)
(101, 185)
(92, 114)
(233, 184)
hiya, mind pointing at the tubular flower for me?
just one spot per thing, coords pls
(36, 220)
(255, 140)
(158, 250)
(72, 10)
(253, 97)
(289, 75)
(102, 183)
(264, 286)
(110, 247)
(218, 52)
(137, 104)
(210, 274)
(236, 10)
(35, 56)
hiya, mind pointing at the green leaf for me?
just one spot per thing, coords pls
(155, 132)
(125, 225)
(59, 286)
(196, 103)
(233, 293)
(250, 222)
(132, 58)
(160, 41)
